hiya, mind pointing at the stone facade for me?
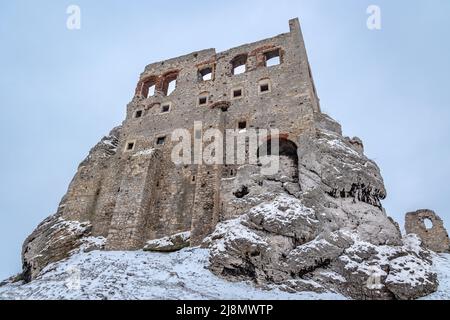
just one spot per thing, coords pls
(434, 236)
(129, 190)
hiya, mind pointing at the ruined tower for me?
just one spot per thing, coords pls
(129, 191)
(142, 194)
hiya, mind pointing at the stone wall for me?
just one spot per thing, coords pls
(434, 236)
(129, 191)
(137, 194)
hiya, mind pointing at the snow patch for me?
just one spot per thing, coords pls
(441, 265)
(74, 227)
(147, 152)
(230, 231)
(168, 241)
(334, 276)
(138, 275)
(285, 209)
(338, 144)
(91, 243)
(410, 270)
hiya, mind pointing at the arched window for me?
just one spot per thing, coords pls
(170, 82)
(206, 73)
(428, 223)
(149, 87)
(239, 64)
(287, 153)
(272, 58)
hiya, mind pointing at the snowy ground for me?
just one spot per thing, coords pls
(140, 275)
(441, 265)
(144, 275)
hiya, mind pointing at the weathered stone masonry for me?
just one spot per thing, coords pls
(435, 237)
(128, 191)
(136, 196)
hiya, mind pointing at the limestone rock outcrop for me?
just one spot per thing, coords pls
(312, 258)
(334, 235)
(169, 244)
(54, 240)
(66, 231)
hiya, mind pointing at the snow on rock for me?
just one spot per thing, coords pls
(402, 272)
(333, 275)
(90, 244)
(54, 239)
(312, 255)
(182, 275)
(441, 265)
(71, 226)
(332, 163)
(232, 232)
(265, 245)
(283, 242)
(110, 141)
(107, 146)
(286, 216)
(147, 152)
(138, 275)
(406, 272)
(338, 144)
(169, 244)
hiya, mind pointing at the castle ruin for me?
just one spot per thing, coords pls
(319, 216)
(138, 196)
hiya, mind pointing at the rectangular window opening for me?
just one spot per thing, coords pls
(206, 74)
(272, 58)
(165, 108)
(237, 93)
(160, 141)
(239, 64)
(264, 87)
(138, 114)
(151, 91)
(202, 100)
(242, 125)
(130, 146)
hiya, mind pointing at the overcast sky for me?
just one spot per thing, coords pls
(62, 90)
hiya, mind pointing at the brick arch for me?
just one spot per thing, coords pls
(167, 78)
(204, 93)
(224, 105)
(145, 84)
(285, 144)
(240, 59)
